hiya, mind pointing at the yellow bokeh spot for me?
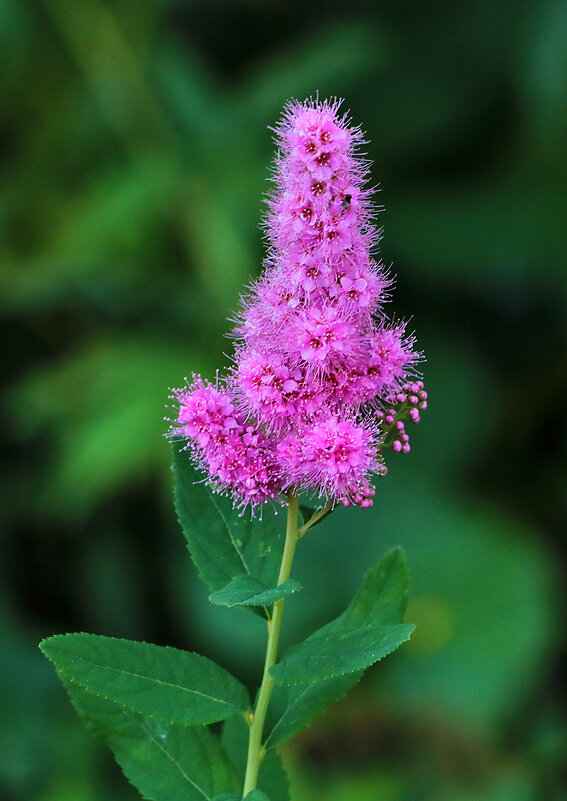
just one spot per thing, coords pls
(434, 620)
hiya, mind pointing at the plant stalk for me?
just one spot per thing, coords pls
(255, 747)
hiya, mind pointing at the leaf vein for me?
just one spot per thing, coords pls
(159, 681)
(159, 744)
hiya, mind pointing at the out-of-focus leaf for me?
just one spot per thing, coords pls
(112, 222)
(192, 95)
(542, 76)
(458, 388)
(513, 232)
(215, 242)
(357, 49)
(157, 681)
(15, 39)
(106, 404)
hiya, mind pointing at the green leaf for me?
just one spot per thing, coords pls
(272, 778)
(329, 652)
(223, 543)
(159, 681)
(101, 415)
(253, 795)
(228, 797)
(162, 760)
(246, 590)
(375, 612)
(235, 734)
(383, 596)
(304, 702)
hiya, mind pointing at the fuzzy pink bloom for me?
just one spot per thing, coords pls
(335, 456)
(319, 381)
(237, 457)
(323, 335)
(205, 414)
(269, 388)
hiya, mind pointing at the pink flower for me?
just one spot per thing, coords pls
(391, 357)
(333, 457)
(205, 414)
(320, 377)
(269, 388)
(237, 457)
(323, 334)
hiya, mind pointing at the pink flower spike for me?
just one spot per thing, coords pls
(320, 377)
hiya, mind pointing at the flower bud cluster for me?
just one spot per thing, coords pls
(317, 363)
(409, 402)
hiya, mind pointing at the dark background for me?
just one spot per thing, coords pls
(134, 155)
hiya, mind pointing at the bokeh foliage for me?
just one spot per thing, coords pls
(135, 153)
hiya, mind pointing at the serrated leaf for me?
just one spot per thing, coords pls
(246, 590)
(331, 652)
(272, 778)
(159, 681)
(305, 702)
(381, 601)
(383, 596)
(162, 760)
(222, 543)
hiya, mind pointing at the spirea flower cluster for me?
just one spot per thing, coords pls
(322, 379)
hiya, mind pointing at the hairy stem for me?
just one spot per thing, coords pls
(255, 747)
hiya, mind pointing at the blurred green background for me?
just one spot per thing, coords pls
(134, 153)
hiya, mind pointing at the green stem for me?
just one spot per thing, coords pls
(255, 747)
(316, 517)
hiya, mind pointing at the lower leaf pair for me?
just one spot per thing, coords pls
(153, 705)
